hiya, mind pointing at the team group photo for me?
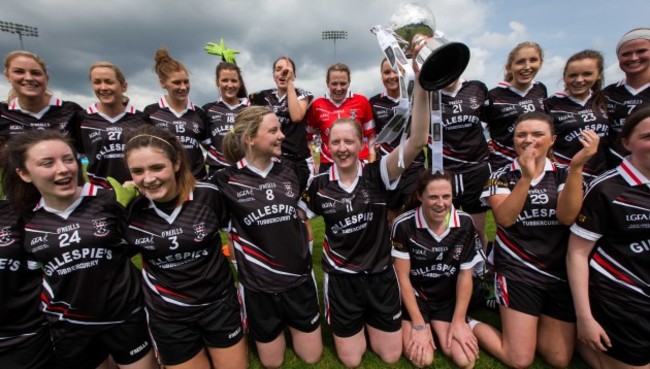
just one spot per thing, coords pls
(443, 220)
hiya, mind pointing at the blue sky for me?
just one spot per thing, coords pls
(127, 33)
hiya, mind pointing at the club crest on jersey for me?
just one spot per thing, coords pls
(100, 227)
(458, 249)
(199, 232)
(5, 237)
(365, 196)
(473, 103)
(353, 113)
(289, 188)
(195, 128)
(348, 204)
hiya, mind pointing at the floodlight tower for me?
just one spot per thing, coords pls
(335, 35)
(19, 29)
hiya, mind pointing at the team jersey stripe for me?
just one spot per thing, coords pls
(519, 255)
(336, 260)
(253, 254)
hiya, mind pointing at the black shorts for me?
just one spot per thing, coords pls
(219, 326)
(406, 186)
(268, 314)
(127, 342)
(628, 331)
(35, 352)
(351, 301)
(555, 302)
(434, 309)
(468, 187)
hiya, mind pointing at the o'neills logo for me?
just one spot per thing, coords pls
(199, 232)
(100, 227)
(5, 237)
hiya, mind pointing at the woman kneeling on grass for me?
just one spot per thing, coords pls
(435, 248)
(534, 200)
(188, 286)
(361, 289)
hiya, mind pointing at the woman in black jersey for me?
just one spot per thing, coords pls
(632, 92)
(91, 294)
(24, 334)
(289, 103)
(221, 113)
(519, 93)
(30, 105)
(176, 113)
(360, 287)
(533, 201)
(220, 116)
(435, 248)
(188, 286)
(261, 193)
(383, 110)
(609, 255)
(99, 135)
(581, 106)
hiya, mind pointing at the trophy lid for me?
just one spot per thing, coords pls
(412, 19)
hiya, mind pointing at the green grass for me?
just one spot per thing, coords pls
(370, 360)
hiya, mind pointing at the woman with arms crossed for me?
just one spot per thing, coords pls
(534, 201)
(188, 286)
(609, 255)
(91, 293)
(435, 248)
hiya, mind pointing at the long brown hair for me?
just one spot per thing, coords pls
(22, 195)
(598, 97)
(167, 143)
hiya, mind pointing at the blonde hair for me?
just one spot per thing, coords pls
(507, 76)
(17, 53)
(118, 75)
(247, 123)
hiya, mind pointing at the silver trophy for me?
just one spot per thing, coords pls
(441, 61)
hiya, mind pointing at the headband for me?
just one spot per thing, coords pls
(635, 34)
(152, 136)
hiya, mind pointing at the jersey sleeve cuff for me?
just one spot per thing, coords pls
(400, 254)
(587, 235)
(302, 205)
(470, 264)
(383, 169)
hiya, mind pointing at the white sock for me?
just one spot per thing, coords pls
(472, 323)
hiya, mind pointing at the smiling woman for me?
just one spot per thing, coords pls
(188, 283)
(581, 106)
(30, 105)
(85, 250)
(175, 112)
(99, 135)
